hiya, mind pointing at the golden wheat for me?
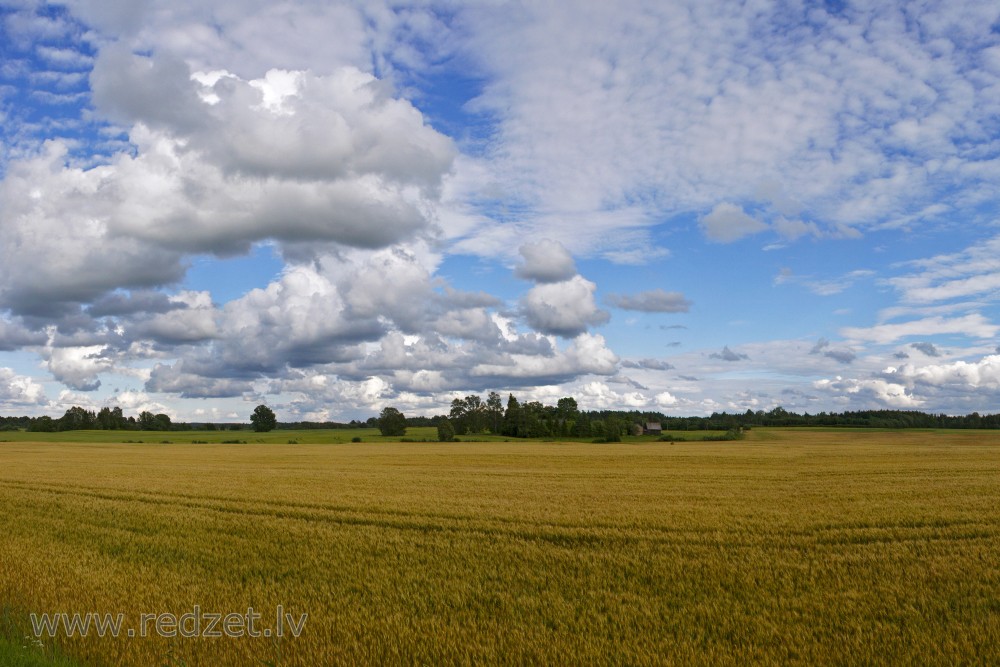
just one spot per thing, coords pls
(805, 547)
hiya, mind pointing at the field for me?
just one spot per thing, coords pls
(789, 547)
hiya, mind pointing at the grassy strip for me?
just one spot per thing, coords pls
(27, 653)
(305, 436)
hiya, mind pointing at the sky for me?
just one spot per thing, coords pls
(334, 207)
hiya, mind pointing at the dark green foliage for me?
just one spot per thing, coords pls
(469, 415)
(392, 422)
(150, 422)
(263, 419)
(613, 430)
(446, 432)
(77, 419)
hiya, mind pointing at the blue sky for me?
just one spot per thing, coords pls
(335, 207)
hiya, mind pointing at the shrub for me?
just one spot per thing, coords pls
(446, 432)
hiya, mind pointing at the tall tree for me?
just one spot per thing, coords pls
(494, 412)
(567, 413)
(392, 422)
(147, 421)
(469, 414)
(162, 422)
(457, 416)
(512, 418)
(263, 419)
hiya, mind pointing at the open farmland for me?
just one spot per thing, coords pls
(806, 547)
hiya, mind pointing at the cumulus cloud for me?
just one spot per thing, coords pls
(728, 222)
(843, 356)
(820, 345)
(878, 391)
(545, 262)
(175, 379)
(565, 308)
(335, 159)
(601, 396)
(587, 353)
(14, 335)
(651, 301)
(357, 315)
(728, 355)
(984, 373)
(231, 125)
(77, 367)
(926, 348)
(19, 390)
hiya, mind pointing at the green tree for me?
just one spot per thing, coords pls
(263, 419)
(494, 412)
(612, 430)
(76, 418)
(392, 422)
(513, 418)
(446, 432)
(567, 413)
(147, 421)
(111, 419)
(43, 424)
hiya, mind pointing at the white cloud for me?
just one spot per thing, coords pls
(587, 353)
(545, 262)
(973, 325)
(728, 355)
(19, 390)
(780, 109)
(257, 120)
(565, 308)
(971, 375)
(651, 301)
(885, 393)
(728, 222)
(665, 399)
(77, 367)
(342, 162)
(972, 272)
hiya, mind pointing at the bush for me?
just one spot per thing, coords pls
(446, 432)
(356, 439)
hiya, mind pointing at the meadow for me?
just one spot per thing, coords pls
(788, 547)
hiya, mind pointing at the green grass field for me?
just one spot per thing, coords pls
(789, 547)
(303, 436)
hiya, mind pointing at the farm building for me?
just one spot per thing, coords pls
(652, 428)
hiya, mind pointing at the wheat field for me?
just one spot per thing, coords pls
(789, 547)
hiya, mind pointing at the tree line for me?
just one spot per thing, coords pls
(78, 419)
(531, 419)
(472, 415)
